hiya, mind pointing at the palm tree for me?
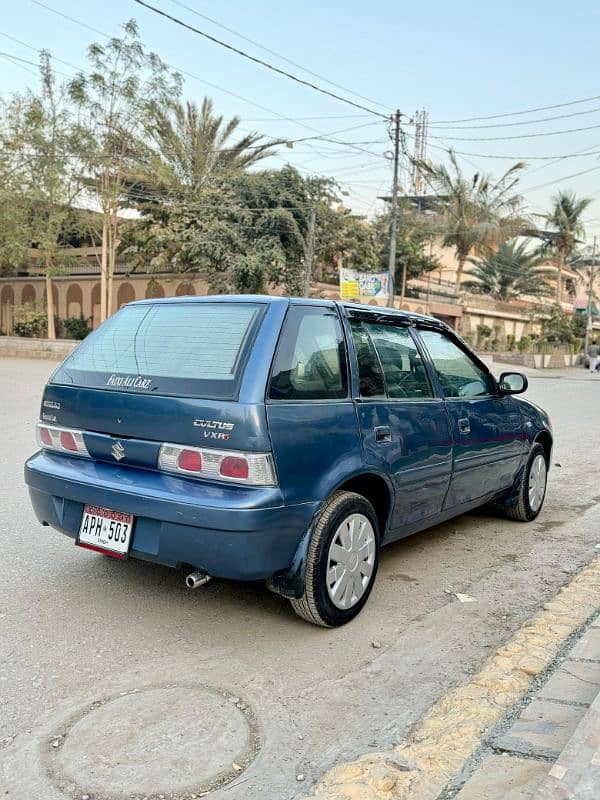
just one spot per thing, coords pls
(478, 213)
(564, 228)
(191, 145)
(509, 272)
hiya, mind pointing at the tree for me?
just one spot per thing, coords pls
(243, 230)
(414, 232)
(214, 237)
(118, 98)
(509, 272)
(478, 213)
(561, 326)
(281, 202)
(564, 228)
(39, 143)
(15, 220)
(344, 239)
(189, 146)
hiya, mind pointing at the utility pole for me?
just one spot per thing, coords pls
(588, 321)
(394, 222)
(309, 253)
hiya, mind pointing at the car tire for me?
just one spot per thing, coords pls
(532, 488)
(341, 562)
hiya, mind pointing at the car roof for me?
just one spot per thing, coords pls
(380, 311)
(387, 312)
(214, 298)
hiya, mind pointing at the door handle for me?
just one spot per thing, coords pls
(383, 433)
(464, 426)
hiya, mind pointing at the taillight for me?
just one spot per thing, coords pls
(45, 437)
(234, 467)
(67, 441)
(190, 461)
(61, 440)
(251, 469)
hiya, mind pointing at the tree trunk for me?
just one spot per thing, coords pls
(50, 304)
(459, 271)
(559, 279)
(104, 268)
(112, 246)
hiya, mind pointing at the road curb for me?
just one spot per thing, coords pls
(420, 767)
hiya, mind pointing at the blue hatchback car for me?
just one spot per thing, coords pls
(284, 440)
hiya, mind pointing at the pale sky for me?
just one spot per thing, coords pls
(457, 60)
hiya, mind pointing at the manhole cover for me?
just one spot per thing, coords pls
(169, 741)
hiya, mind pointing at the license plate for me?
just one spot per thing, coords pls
(106, 531)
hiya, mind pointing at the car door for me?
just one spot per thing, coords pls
(487, 428)
(404, 427)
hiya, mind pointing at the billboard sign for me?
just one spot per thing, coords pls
(356, 285)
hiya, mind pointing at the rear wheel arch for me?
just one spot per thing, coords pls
(374, 488)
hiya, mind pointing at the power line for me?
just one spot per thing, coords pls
(518, 136)
(81, 24)
(584, 151)
(564, 178)
(20, 62)
(380, 157)
(256, 60)
(560, 157)
(38, 50)
(66, 16)
(521, 122)
(235, 148)
(26, 61)
(517, 113)
(278, 55)
(302, 119)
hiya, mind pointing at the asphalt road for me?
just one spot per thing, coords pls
(76, 627)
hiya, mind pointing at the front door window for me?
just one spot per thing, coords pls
(459, 375)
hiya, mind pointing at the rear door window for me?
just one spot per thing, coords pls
(310, 363)
(370, 376)
(195, 349)
(405, 373)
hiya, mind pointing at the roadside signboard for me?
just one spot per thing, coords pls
(356, 285)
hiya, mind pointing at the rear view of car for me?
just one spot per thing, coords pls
(263, 438)
(154, 440)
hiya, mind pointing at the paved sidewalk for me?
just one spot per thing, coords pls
(549, 748)
(577, 373)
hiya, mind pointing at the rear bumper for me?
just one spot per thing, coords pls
(230, 532)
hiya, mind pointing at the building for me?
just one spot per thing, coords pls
(77, 291)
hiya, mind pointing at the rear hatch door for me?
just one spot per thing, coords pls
(161, 372)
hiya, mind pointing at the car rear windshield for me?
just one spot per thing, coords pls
(193, 349)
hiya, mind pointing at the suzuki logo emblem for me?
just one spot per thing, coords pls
(118, 451)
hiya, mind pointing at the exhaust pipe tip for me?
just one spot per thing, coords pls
(196, 579)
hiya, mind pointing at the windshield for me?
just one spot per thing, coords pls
(196, 349)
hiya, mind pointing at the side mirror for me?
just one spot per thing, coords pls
(512, 383)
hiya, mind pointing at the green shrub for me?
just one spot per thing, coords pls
(483, 333)
(30, 321)
(524, 344)
(76, 327)
(510, 342)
